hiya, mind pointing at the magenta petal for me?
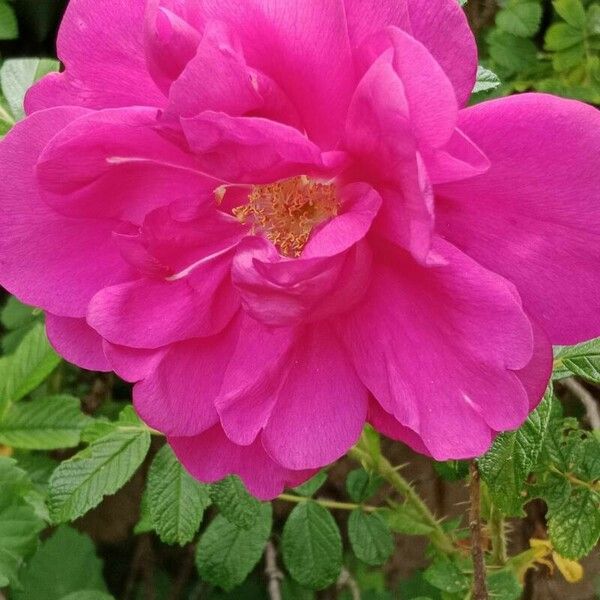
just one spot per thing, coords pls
(284, 292)
(178, 395)
(114, 163)
(536, 375)
(379, 133)
(211, 456)
(304, 47)
(534, 217)
(252, 376)
(321, 405)
(171, 42)
(45, 258)
(132, 364)
(387, 424)
(77, 342)
(217, 78)
(440, 25)
(437, 345)
(250, 149)
(102, 47)
(198, 305)
(459, 159)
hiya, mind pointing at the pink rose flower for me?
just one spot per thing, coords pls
(278, 220)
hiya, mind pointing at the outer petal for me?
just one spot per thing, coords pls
(536, 375)
(435, 346)
(102, 47)
(115, 163)
(321, 405)
(440, 25)
(177, 397)
(211, 456)
(534, 217)
(77, 342)
(287, 40)
(252, 376)
(45, 258)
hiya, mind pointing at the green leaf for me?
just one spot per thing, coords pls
(452, 470)
(80, 483)
(445, 574)
(17, 75)
(176, 500)
(15, 314)
(45, 424)
(512, 457)
(513, 53)
(362, 485)
(226, 554)
(370, 537)
(9, 28)
(311, 546)
(312, 486)
(65, 563)
(291, 590)
(19, 530)
(574, 526)
(28, 367)
(486, 80)
(404, 519)
(561, 36)
(572, 11)
(521, 19)
(504, 585)
(234, 502)
(582, 360)
(88, 595)
(19, 525)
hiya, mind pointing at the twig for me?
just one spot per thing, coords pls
(345, 580)
(480, 591)
(274, 575)
(333, 504)
(590, 404)
(497, 527)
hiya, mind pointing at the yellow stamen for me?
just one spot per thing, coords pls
(287, 211)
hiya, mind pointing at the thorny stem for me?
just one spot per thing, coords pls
(333, 504)
(380, 465)
(480, 591)
(497, 526)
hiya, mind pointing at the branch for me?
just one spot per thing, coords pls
(479, 583)
(589, 402)
(380, 465)
(345, 580)
(274, 575)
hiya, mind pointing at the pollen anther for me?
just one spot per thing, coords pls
(287, 211)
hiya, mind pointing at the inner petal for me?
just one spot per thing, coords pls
(286, 212)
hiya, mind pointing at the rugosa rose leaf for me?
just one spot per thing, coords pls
(278, 219)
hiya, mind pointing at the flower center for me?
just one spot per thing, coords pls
(287, 211)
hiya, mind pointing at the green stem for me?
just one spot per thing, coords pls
(380, 465)
(497, 527)
(326, 503)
